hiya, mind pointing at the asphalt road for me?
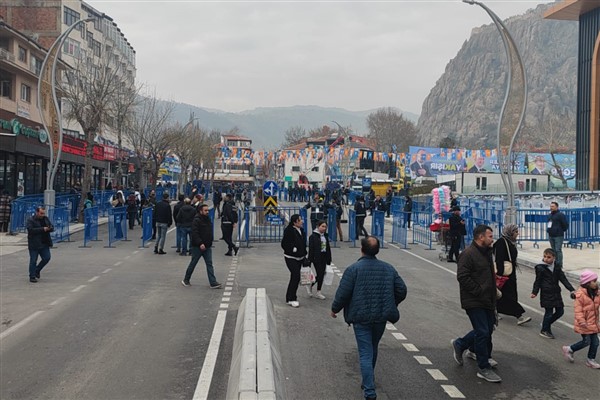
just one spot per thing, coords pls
(117, 324)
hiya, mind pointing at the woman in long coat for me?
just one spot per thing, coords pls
(294, 252)
(505, 249)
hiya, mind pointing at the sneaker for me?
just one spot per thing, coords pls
(33, 280)
(37, 273)
(592, 364)
(458, 354)
(161, 251)
(177, 251)
(546, 335)
(488, 375)
(568, 353)
(183, 253)
(185, 283)
(228, 253)
(523, 320)
(294, 304)
(216, 286)
(473, 356)
(156, 250)
(320, 296)
(309, 290)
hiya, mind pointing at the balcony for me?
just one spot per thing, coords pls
(6, 55)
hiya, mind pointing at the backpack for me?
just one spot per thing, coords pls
(131, 199)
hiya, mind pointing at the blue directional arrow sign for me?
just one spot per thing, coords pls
(270, 188)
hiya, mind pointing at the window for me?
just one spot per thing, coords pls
(36, 65)
(90, 39)
(22, 54)
(71, 16)
(96, 48)
(481, 183)
(6, 88)
(25, 93)
(295, 169)
(71, 47)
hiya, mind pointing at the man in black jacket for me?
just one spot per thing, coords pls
(556, 228)
(38, 242)
(202, 238)
(477, 282)
(184, 220)
(229, 219)
(164, 219)
(176, 209)
(457, 231)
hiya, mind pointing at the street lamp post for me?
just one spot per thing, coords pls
(49, 193)
(515, 101)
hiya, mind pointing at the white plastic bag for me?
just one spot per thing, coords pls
(306, 276)
(328, 279)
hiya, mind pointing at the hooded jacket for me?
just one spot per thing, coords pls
(587, 320)
(547, 282)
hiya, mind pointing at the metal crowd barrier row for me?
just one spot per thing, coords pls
(352, 226)
(262, 228)
(422, 234)
(90, 229)
(378, 226)
(146, 225)
(331, 227)
(399, 229)
(117, 225)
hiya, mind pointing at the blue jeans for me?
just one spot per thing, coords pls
(550, 317)
(367, 340)
(162, 234)
(185, 232)
(44, 253)
(480, 338)
(556, 243)
(210, 270)
(178, 237)
(587, 340)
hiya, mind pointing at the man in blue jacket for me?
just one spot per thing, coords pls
(556, 228)
(369, 293)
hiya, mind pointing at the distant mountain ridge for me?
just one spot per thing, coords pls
(266, 126)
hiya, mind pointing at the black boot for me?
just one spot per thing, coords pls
(156, 250)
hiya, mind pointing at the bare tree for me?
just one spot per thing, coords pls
(88, 92)
(387, 127)
(124, 101)
(293, 136)
(187, 145)
(150, 132)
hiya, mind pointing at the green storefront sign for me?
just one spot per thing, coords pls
(288, 178)
(17, 128)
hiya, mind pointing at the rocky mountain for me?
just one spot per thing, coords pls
(466, 101)
(266, 125)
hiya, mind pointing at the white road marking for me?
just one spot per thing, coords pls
(423, 360)
(93, 279)
(55, 302)
(126, 257)
(453, 391)
(210, 359)
(398, 336)
(224, 305)
(225, 299)
(410, 347)
(19, 324)
(78, 288)
(390, 327)
(230, 279)
(107, 270)
(118, 263)
(534, 310)
(436, 374)
(135, 252)
(231, 275)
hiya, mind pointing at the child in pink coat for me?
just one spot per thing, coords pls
(587, 308)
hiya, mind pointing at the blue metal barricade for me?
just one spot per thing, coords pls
(60, 218)
(117, 225)
(303, 212)
(399, 229)
(378, 226)
(146, 225)
(332, 227)
(583, 226)
(421, 231)
(90, 229)
(260, 227)
(352, 226)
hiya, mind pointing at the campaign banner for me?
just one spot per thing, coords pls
(560, 167)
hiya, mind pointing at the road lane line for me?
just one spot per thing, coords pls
(410, 347)
(55, 302)
(534, 310)
(453, 391)
(390, 327)
(398, 336)
(78, 288)
(423, 360)
(210, 359)
(19, 324)
(224, 305)
(126, 257)
(107, 270)
(93, 279)
(118, 263)
(436, 374)
(225, 299)
(135, 252)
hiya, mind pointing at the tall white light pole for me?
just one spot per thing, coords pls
(515, 99)
(53, 163)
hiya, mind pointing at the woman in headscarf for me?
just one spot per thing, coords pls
(505, 249)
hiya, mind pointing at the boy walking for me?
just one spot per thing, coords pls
(547, 276)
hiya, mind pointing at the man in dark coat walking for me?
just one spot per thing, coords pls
(39, 242)
(456, 232)
(202, 239)
(477, 282)
(164, 219)
(229, 219)
(556, 228)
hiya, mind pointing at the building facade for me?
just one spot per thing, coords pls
(588, 87)
(38, 24)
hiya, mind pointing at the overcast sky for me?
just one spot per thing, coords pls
(239, 55)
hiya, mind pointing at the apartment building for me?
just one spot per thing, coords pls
(42, 22)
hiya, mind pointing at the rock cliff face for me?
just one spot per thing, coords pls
(466, 101)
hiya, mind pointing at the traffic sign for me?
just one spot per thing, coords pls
(270, 188)
(270, 205)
